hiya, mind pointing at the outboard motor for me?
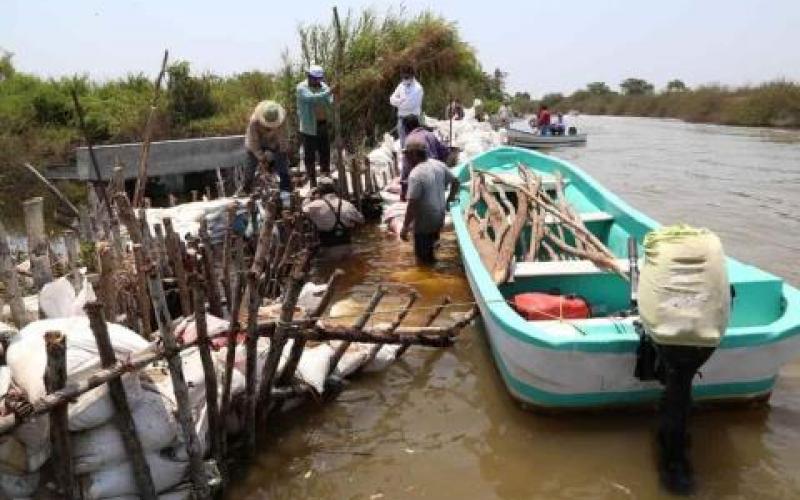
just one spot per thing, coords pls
(684, 305)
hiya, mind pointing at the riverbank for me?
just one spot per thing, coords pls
(774, 104)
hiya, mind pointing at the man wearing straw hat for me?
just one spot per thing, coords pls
(265, 142)
(314, 108)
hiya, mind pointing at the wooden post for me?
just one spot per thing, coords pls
(230, 215)
(208, 193)
(220, 184)
(299, 344)
(172, 199)
(173, 243)
(55, 378)
(145, 328)
(54, 190)
(250, 363)
(141, 179)
(233, 331)
(117, 179)
(195, 195)
(209, 373)
(209, 270)
(160, 247)
(355, 177)
(73, 247)
(122, 414)
(360, 323)
(38, 250)
(337, 105)
(109, 288)
(196, 470)
(128, 217)
(369, 182)
(8, 275)
(295, 285)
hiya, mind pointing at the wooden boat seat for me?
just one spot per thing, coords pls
(511, 179)
(562, 268)
(586, 217)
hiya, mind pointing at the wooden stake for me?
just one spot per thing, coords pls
(360, 323)
(145, 328)
(209, 373)
(109, 288)
(8, 275)
(73, 247)
(196, 469)
(173, 243)
(251, 342)
(299, 343)
(209, 269)
(38, 249)
(337, 113)
(128, 218)
(141, 180)
(296, 280)
(54, 190)
(122, 414)
(54, 379)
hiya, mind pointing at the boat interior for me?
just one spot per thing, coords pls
(757, 295)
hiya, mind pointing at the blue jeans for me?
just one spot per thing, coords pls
(280, 163)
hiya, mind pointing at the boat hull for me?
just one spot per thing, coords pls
(589, 364)
(529, 140)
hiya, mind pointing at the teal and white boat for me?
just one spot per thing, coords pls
(589, 363)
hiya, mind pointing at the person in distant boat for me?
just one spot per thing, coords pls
(436, 149)
(333, 217)
(504, 116)
(427, 183)
(266, 146)
(543, 121)
(407, 98)
(454, 110)
(558, 128)
(314, 110)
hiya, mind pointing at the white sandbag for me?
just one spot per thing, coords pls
(385, 357)
(95, 407)
(7, 330)
(5, 380)
(18, 486)
(314, 365)
(117, 480)
(311, 295)
(180, 492)
(98, 448)
(27, 359)
(353, 358)
(57, 299)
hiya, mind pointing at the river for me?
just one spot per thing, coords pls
(439, 424)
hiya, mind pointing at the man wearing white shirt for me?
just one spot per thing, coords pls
(407, 98)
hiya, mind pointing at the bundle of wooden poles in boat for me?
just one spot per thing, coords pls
(556, 230)
(232, 280)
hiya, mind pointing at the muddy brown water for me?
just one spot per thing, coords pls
(440, 424)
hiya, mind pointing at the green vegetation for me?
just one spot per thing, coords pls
(773, 104)
(38, 123)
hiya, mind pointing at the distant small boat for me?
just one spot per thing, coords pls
(589, 363)
(529, 139)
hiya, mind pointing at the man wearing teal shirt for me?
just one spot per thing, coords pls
(314, 108)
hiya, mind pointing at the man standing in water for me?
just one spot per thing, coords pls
(407, 98)
(314, 107)
(427, 183)
(265, 143)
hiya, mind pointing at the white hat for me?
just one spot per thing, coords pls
(270, 114)
(316, 71)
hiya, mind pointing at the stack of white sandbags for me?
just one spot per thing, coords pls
(186, 217)
(471, 136)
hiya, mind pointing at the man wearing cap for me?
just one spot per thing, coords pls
(427, 183)
(314, 108)
(265, 143)
(333, 217)
(436, 149)
(407, 98)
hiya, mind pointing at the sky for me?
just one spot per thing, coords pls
(555, 46)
